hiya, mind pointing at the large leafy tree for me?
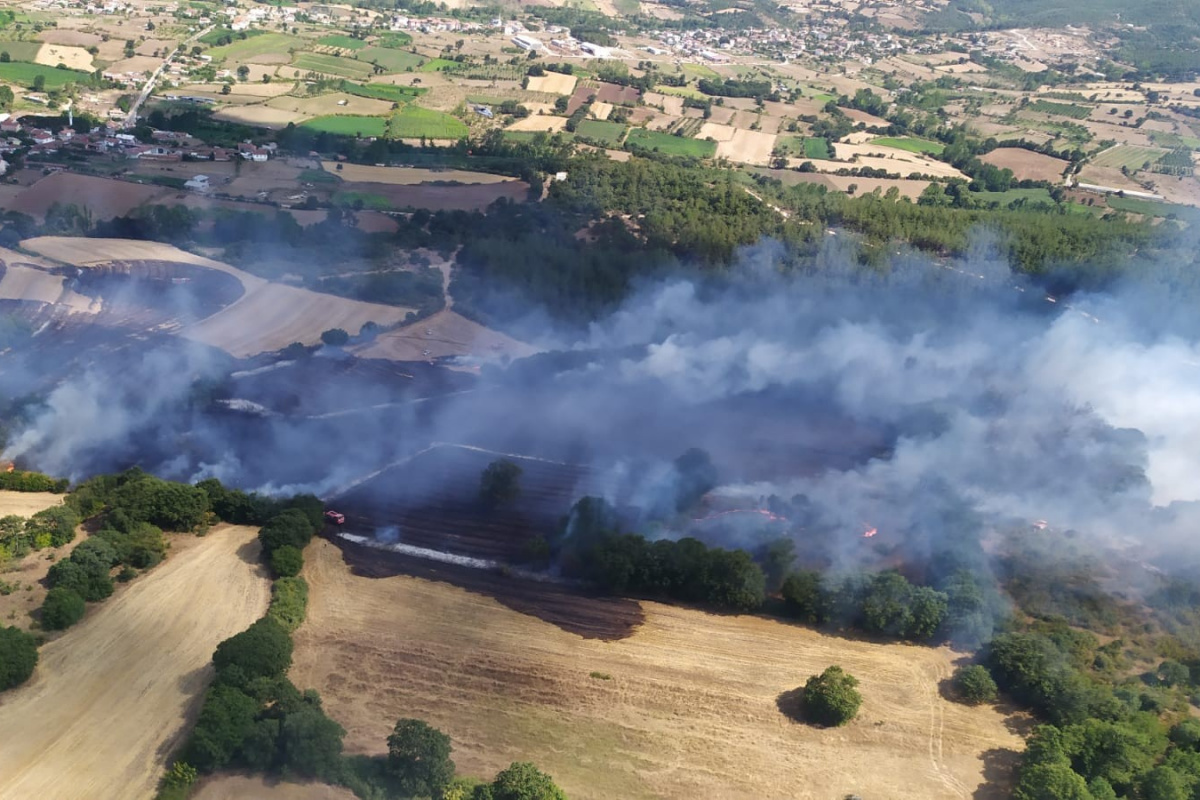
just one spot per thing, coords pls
(18, 657)
(419, 757)
(500, 483)
(831, 698)
(524, 781)
(263, 650)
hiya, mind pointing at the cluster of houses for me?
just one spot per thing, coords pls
(110, 140)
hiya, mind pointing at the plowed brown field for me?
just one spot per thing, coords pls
(685, 707)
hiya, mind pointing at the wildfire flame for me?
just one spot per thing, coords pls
(869, 532)
(1041, 524)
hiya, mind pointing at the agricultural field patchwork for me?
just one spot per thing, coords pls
(671, 145)
(257, 46)
(332, 65)
(391, 60)
(608, 134)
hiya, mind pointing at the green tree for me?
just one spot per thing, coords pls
(39, 83)
(803, 596)
(181, 775)
(1186, 734)
(831, 698)
(18, 657)
(500, 483)
(288, 528)
(287, 561)
(264, 650)
(1051, 781)
(974, 685)
(62, 608)
(524, 781)
(226, 718)
(243, 72)
(419, 758)
(311, 744)
(1172, 673)
(335, 337)
(1164, 783)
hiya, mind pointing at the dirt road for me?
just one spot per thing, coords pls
(111, 696)
(685, 707)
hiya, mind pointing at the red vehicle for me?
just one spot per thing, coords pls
(335, 517)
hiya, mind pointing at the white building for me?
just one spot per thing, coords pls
(198, 183)
(595, 50)
(526, 42)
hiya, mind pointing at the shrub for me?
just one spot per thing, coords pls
(974, 685)
(287, 561)
(500, 483)
(289, 602)
(335, 337)
(831, 698)
(18, 657)
(62, 608)
(287, 528)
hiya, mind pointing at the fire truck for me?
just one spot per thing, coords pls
(334, 517)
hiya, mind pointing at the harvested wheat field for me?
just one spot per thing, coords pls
(552, 82)
(268, 316)
(443, 335)
(240, 787)
(112, 695)
(260, 115)
(1027, 165)
(748, 147)
(542, 123)
(409, 176)
(51, 55)
(26, 504)
(685, 707)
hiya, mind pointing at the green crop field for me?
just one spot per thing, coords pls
(383, 91)
(341, 41)
(910, 145)
(438, 65)
(818, 148)
(1173, 140)
(681, 91)
(332, 65)
(1004, 198)
(361, 200)
(348, 125)
(671, 145)
(608, 134)
(1130, 156)
(391, 60)
(395, 40)
(700, 71)
(24, 74)
(1059, 109)
(267, 44)
(318, 176)
(528, 136)
(1151, 208)
(21, 51)
(412, 122)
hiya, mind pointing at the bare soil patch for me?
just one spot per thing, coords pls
(74, 38)
(1027, 165)
(683, 708)
(113, 694)
(136, 64)
(105, 198)
(336, 103)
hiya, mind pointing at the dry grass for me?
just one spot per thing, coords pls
(336, 103)
(240, 787)
(26, 504)
(111, 695)
(689, 712)
(408, 176)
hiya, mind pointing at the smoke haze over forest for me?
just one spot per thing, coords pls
(909, 401)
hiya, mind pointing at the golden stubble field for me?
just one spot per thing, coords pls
(684, 708)
(112, 695)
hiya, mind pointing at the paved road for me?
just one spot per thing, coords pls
(131, 117)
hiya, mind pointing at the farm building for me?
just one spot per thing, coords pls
(527, 42)
(198, 183)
